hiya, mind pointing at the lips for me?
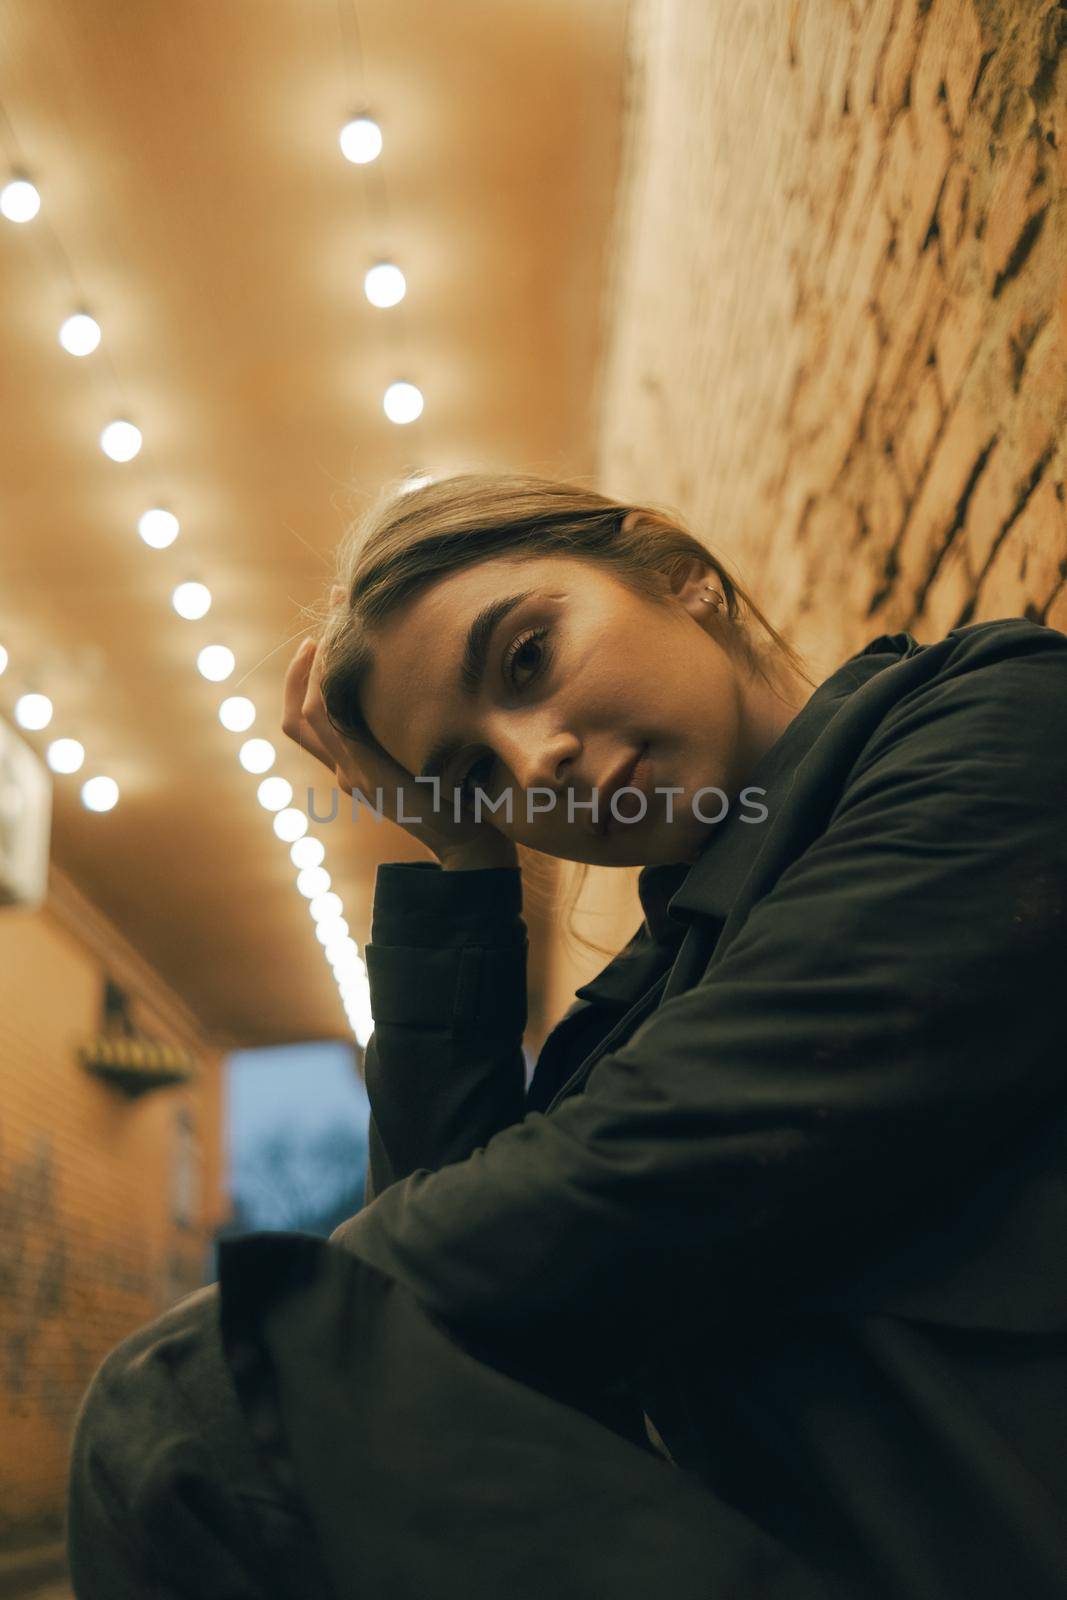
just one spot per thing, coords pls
(618, 779)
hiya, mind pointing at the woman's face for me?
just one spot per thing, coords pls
(579, 677)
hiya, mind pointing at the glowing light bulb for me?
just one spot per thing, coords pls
(312, 880)
(191, 601)
(33, 711)
(237, 713)
(385, 285)
(274, 793)
(65, 755)
(215, 662)
(290, 824)
(361, 1020)
(402, 403)
(99, 794)
(158, 528)
(360, 140)
(307, 852)
(256, 755)
(120, 440)
(80, 334)
(326, 905)
(344, 956)
(19, 200)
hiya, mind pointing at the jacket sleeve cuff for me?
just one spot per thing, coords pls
(448, 949)
(417, 903)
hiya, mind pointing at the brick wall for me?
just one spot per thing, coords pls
(837, 329)
(90, 1246)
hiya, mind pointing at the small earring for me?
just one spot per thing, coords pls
(715, 600)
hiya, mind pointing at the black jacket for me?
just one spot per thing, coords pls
(792, 1171)
(790, 1180)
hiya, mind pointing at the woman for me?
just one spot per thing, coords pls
(784, 1200)
(788, 1180)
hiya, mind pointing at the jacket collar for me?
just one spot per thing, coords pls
(673, 895)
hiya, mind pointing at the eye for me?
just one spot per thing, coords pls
(486, 762)
(532, 640)
(524, 644)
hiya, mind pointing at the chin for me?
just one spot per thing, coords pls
(631, 845)
(659, 847)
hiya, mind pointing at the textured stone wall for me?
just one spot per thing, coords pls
(838, 331)
(836, 335)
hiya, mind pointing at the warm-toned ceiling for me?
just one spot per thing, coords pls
(195, 197)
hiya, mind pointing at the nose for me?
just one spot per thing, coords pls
(540, 758)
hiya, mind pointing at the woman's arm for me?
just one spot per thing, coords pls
(446, 965)
(881, 1029)
(446, 962)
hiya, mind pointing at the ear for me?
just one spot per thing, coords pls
(693, 583)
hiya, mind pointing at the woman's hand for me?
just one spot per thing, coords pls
(459, 845)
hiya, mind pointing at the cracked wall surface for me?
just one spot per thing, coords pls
(837, 333)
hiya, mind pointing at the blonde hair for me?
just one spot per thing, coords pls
(409, 539)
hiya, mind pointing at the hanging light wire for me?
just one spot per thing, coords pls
(117, 406)
(376, 190)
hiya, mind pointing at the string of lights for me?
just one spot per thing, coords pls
(361, 142)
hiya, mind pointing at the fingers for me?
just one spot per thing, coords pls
(295, 688)
(313, 709)
(294, 723)
(304, 718)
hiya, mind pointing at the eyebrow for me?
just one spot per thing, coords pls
(472, 670)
